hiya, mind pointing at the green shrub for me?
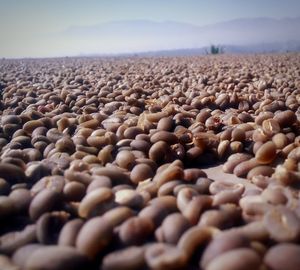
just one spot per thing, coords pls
(215, 49)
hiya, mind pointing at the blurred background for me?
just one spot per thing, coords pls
(44, 28)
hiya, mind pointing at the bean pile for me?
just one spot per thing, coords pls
(102, 163)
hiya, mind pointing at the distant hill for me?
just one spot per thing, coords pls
(240, 35)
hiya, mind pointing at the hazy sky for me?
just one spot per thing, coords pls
(29, 27)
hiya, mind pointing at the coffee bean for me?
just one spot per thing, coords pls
(12, 173)
(57, 258)
(135, 230)
(11, 241)
(129, 258)
(173, 227)
(22, 254)
(241, 258)
(223, 243)
(141, 172)
(94, 236)
(45, 201)
(282, 224)
(162, 256)
(95, 202)
(49, 226)
(266, 153)
(283, 256)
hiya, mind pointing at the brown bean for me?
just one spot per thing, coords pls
(169, 174)
(283, 256)
(115, 175)
(223, 242)
(125, 159)
(94, 236)
(6, 263)
(140, 145)
(285, 118)
(263, 116)
(74, 191)
(31, 125)
(260, 170)
(282, 224)
(4, 187)
(237, 259)
(95, 202)
(193, 174)
(118, 215)
(65, 144)
(158, 151)
(168, 187)
(57, 258)
(163, 256)
(12, 173)
(274, 195)
(69, 232)
(270, 126)
(55, 183)
(166, 136)
(131, 132)
(141, 172)
(135, 230)
(285, 176)
(259, 135)
(49, 225)
(184, 197)
(22, 254)
(37, 171)
(21, 198)
(244, 167)
(203, 184)
(165, 123)
(45, 201)
(229, 196)
(129, 258)
(99, 181)
(295, 154)
(7, 207)
(266, 153)
(157, 212)
(238, 134)
(130, 198)
(234, 160)
(219, 186)
(195, 237)
(226, 216)
(173, 227)
(196, 207)
(223, 149)
(11, 241)
(254, 205)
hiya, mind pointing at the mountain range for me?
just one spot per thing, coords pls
(136, 36)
